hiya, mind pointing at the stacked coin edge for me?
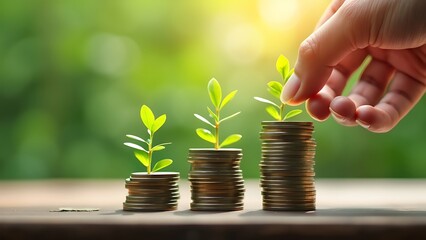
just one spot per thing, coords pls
(216, 179)
(152, 192)
(287, 166)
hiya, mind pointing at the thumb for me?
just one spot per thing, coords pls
(320, 53)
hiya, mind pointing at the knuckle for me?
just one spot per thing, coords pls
(307, 48)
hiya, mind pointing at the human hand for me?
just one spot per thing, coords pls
(393, 33)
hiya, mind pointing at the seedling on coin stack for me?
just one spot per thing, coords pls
(288, 151)
(144, 155)
(216, 180)
(151, 190)
(276, 110)
(215, 93)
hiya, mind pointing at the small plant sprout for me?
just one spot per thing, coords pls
(144, 154)
(277, 110)
(215, 93)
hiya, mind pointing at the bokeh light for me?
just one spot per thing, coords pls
(74, 74)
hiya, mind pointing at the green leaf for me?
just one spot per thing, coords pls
(163, 144)
(283, 66)
(227, 99)
(136, 138)
(275, 88)
(206, 135)
(215, 92)
(147, 117)
(135, 146)
(142, 157)
(273, 112)
(230, 140)
(162, 164)
(158, 123)
(266, 101)
(213, 115)
(228, 117)
(203, 120)
(292, 113)
(158, 148)
(288, 75)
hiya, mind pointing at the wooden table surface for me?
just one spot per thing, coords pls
(346, 209)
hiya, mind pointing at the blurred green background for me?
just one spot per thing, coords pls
(74, 73)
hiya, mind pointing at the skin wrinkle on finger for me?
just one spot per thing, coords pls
(310, 54)
(403, 94)
(421, 59)
(410, 86)
(378, 21)
(372, 84)
(337, 82)
(318, 106)
(324, 49)
(343, 71)
(345, 107)
(406, 61)
(410, 66)
(366, 93)
(357, 15)
(376, 119)
(388, 118)
(348, 122)
(407, 25)
(392, 33)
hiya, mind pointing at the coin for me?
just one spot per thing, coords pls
(148, 207)
(216, 180)
(147, 198)
(287, 166)
(152, 192)
(216, 207)
(197, 171)
(271, 182)
(276, 207)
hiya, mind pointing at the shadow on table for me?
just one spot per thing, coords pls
(380, 212)
(343, 212)
(188, 212)
(181, 213)
(121, 212)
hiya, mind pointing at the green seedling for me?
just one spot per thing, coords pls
(275, 88)
(144, 155)
(215, 93)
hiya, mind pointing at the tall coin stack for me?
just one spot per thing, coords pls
(287, 166)
(152, 192)
(216, 180)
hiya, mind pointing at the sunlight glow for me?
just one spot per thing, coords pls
(279, 13)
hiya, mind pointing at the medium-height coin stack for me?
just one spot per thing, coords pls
(217, 182)
(152, 192)
(287, 166)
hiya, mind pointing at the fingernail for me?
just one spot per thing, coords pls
(290, 88)
(363, 124)
(336, 115)
(312, 115)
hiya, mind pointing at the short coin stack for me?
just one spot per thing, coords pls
(287, 166)
(152, 192)
(217, 182)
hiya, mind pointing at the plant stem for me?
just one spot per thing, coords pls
(148, 168)
(216, 144)
(282, 111)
